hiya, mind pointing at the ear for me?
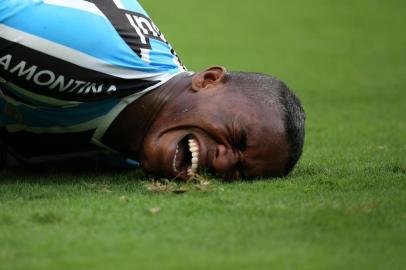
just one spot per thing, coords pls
(208, 78)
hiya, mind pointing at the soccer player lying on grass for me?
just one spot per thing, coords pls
(81, 76)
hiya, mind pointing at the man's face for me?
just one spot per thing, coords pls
(215, 129)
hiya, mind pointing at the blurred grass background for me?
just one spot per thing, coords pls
(343, 207)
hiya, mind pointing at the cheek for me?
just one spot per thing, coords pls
(147, 151)
(151, 156)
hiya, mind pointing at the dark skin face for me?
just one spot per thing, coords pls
(235, 137)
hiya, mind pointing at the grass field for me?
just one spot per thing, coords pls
(344, 207)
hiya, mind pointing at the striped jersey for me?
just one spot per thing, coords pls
(69, 67)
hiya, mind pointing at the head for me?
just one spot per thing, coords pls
(235, 125)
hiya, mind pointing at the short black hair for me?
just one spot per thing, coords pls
(271, 91)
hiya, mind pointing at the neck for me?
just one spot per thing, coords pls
(128, 130)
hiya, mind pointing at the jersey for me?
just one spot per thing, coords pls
(69, 67)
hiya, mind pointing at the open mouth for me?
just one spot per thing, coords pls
(186, 158)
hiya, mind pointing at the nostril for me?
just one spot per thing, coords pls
(224, 160)
(221, 151)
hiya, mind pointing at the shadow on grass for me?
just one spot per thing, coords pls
(71, 172)
(94, 170)
(107, 171)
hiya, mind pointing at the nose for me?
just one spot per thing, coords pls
(224, 160)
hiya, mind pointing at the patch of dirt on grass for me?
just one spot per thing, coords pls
(198, 183)
(366, 208)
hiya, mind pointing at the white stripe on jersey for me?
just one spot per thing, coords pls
(75, 4)
(73, 56)
(145, 55)
(118, 4)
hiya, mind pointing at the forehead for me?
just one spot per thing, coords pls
(267, 150)
(259, 117)
(265, 155)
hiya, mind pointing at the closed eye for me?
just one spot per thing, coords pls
(240, 144)
(240, 140)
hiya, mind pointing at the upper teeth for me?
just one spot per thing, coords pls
(194, 164)
(194, 149)
(174, 159)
